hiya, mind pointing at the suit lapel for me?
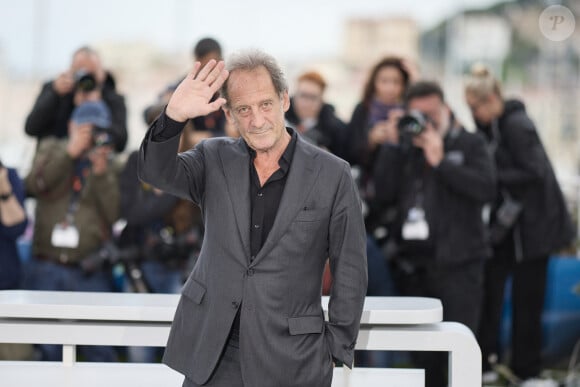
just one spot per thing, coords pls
(236, 166)
(301, 177)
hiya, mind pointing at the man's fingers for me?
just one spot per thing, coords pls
(218, 103)
(219, 81)
(215, 72)
(192, 74)
(204, 72)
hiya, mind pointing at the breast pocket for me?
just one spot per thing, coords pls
(308, 214)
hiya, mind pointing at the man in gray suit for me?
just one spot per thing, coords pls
(275, 208)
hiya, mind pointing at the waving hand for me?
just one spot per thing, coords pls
(193, 95)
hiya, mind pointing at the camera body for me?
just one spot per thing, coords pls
(109, 254)
(413, 123)
(85, 81)
(101, 136)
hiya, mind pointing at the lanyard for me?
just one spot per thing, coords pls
(82, 171)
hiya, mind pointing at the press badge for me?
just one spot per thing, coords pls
(415, 227)
(65, 235)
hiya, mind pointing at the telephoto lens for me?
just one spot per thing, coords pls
(412, 123)
(85, 81)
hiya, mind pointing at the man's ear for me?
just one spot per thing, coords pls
(228, 114)
(285, 101)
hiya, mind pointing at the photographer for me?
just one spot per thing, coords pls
(523, 241)
(85, 80)
(77, 202)
(438, 176)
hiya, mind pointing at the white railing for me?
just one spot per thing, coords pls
(124, 319)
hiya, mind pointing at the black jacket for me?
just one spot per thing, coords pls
(329, 131)
(51, 113)
(525, 171)
(357, 151)
(453, 196)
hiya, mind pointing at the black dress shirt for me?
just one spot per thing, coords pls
(264, 204)
(266, 199)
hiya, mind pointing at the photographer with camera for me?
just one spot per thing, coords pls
(529, 222)
(85, 80)
(438, 176)
(77, 194)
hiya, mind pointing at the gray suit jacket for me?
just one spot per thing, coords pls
(284, 340)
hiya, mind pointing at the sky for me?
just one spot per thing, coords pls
(37, 37)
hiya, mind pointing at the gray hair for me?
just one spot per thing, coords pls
(253, 59)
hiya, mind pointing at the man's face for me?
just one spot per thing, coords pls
(435, 109)
(307, 99)
(255, 108)
(89, 63)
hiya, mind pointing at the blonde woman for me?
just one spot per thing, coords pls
(529, 222)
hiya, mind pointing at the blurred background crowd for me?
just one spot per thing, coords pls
(460, 122)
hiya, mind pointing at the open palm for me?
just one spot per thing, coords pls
(193, 95)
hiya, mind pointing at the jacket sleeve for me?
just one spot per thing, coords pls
(116, 104)
(105, 191)
(357, 141)
(387, 174)
(51, 165)
(161, 166)
(13, 232)
(138, 206)
(348, 267)
(42, 119)
(475, 176)
(523, 143)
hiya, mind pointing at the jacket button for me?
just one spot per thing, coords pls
(235, 304)
(250, 272)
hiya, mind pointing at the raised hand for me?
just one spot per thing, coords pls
(193, 95)
(432, 144)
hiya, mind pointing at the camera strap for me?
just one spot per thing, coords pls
(65, 234)
(82, 171)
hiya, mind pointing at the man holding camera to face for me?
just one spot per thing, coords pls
(77, 193)
(85, 80)
(438, 177)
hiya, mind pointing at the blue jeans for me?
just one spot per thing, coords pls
(46, 275)
(161, 279)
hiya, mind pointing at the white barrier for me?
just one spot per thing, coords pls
(124, 319)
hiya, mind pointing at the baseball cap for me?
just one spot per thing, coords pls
(92, 112)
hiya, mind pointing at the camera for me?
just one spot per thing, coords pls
(85, 81)
(101, 136)
(109, 254)
(412, 123)
(171, 248)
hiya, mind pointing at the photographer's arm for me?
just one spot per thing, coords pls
(12, 214)
(530, 162)
(387, 174)
(474, 177)
(42, 119)
(52, 163)
(116, 103)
